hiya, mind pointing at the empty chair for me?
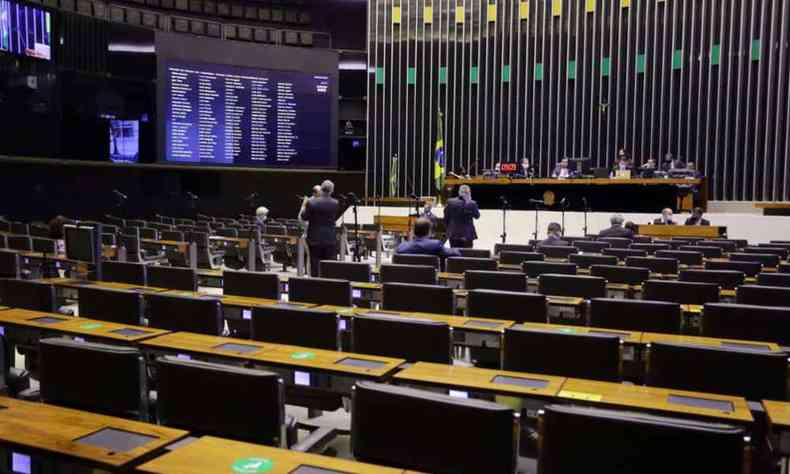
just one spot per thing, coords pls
(763, 295)
(475, 253)
(202, 315)
(473, 435)
(10, 266)
(228, 232)
(188, 395)
(557, 251)
(134, 250)
(5, 226)
(591, 246)
(499, 248)
(727, 279)
(673, 243)
(487, 280)
(27, 294)
(579, 286)
(124, 272)
(664, 266)
(149, 233)
(172, 235)
(324, 291)
(508, 305)
(651, 248)
(616, 242)
(622, 254)
(131, 231)
(750, 269)
(3, 241)
(207, 257)
(418, 298)
(172, 278)
(580, 439)
(413, 339)
(420, 274)
(773, 279)
(766, 259)
(745, 372)
(99, 378)
(778, 251)
(19, 228)
(44, 245)
(784, 268)
(749, 322)
(23, 243)
(282, 324)
(682, 292)
(621, 275)
(587, 260)
(568, 354)
(636, 315)
(407, 259)
(725, 245)
(642, 239)
(507, 257)
(116, 306)
(683, 257)
(462, 264)
(535, 269)
(251, 284)
(108, 239)
(707, 252)
(159, 226)
(352, 271)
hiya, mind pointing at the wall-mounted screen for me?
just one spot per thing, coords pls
(25, 30)
(124, 141)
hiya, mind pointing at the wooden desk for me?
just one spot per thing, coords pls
(477, 379)
(3, 308)
(109, 285)
(55, 430)
(778, 414)
(649, 337)
(466, 323)
(182, 247)
(241, 242)
(774, 208)
(212, 455)
(399, 224)
(630, 337)
(652, 399)
(705, 231)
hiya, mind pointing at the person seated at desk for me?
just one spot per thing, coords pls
(561, 171)
(525, 168)
(648, 169)
(617, 229)
(554, 236)
(665, 219)
(427, 213)
(691, 170)
(668, 164)
(423, 244)
(632, 227)
(696, 218)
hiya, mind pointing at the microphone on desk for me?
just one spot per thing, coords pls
(536, 201)
(563, 202)
(120, 194)
(192, 195)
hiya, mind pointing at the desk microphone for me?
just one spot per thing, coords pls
(536, 201)
(119, 194)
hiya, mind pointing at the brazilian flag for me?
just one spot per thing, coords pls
(438, 157)
(394, 175)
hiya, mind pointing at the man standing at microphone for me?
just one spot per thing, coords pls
(320, 213)
(459, 215)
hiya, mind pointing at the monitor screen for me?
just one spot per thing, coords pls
(219, 114)
(124, 141)
(25, 30)
(79, 243)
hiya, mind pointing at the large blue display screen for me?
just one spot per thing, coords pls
(25, 30)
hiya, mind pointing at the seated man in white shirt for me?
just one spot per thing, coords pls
(561, 171)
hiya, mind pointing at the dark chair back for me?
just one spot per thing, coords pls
(285, 324)
(324, 291)
(621, 275)
(636, 315)
(586, 260)
(665, 266)
(651, 248)
(202, 315)
(579, 286)
(414, 259)
(487, 280)
(512, 306)
(766, 259)
(419, 274)
(707, 252)
(125, 272)
(622, 254)
(507, 257)
(725, 245)
(591, 246)
(382, 334)
(475, 253)
(351, 271)
(172, 278)
(748, 322)
(115, 306)
(763, 295)
(10, 265)
(418, 298)
(173, 235)
(535, 269)
(251, 284)
(557, 251)
(499, 248)
(682, 292)
(762, 249)
(683, 257)
(750, 269)
(462, 264)
(27, 294)
(774, 279)
(616, 242)
(22, 243)
(727, 279)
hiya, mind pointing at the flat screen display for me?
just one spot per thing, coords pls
(25, 30)
(124, 141)
(217, 114)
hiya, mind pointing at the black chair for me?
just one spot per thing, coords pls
(116, 306)
(745, 372)
(748, 322)
(512, 306)
(636, 315)
(45, 245)
(784, 268)
(172, 235)
(202, 315)
(3, 241)
(5, 226)
(651, 248)
(10, 265)
(131, 231)
(499, 248)
(28, 294)
(763, 295)
(418, 298)
(774, 279)
(351, 271)
(591, 246)
(22, 243)
(682, 292)
(664, 266)
(727, 279)
(557, 251)
(487, 280)
(726, 246)
(228, 232)
(766, 259)
(673, 244)
(98, 378)
(251, 284)
(172, 278)
(707, 252)
(135, 252)
(324, 291)
(568, 354)
(109, 239)
(414, 259)
(396, 273)
(282, 324)
(149, 233)
(579, 439)
(535, 269)
(750, 269)
(572, 285)
(412, 339)
(188, 391)
(683, 257)
(762, 249)
(616, 242)
(462, 264)
(621, 275)
(507, 257)
(472, 436)
(207, 257)
(125, 272)
(19, 228)
(475, 253)
(622, 254)
(586, 260)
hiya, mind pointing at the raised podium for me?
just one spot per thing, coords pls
(400, 224)
(669, 231)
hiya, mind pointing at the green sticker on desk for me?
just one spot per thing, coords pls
(567, 330)
(303, 355)
(252, 465)
(91, 326)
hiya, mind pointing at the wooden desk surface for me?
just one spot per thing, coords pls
(476, 378)
(449, 182)
(649, 337)
(564, 300)
(466, 323)
(652, 398)
(632, 337)
(778, 413)
(3, 308)
(241, 241)
(58, 258)
(55, 430)
(213, 455)
(110, 285)
(450, 276)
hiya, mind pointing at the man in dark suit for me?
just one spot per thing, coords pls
(459, 215)
(554, 236)
(696, 218)
(427, 212)
(320, 214)
(423, 244)
(666, 218)
(617, 229)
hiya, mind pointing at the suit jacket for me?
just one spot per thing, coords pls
(660, 221)
(321, 213)
(617, 231)
(459, 219)
(426, 246)
(431, 217)
(692, 221)
(552, 241)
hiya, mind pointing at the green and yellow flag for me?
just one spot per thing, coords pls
(438, 158)
(394, 171)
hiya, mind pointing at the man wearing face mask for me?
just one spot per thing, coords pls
(666, 218)
(459, 215)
